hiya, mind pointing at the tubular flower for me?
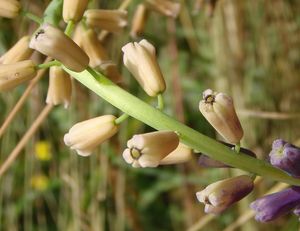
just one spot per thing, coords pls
(60, 87)
(218, 110)
(9, 8)
(286, 157)
(52, 42)
(85, 136)
(180, 155)
(74, 9)
(111, 71)
(220, 195)
(139, 21)
(19, 52)
(11, 75)
(109, 20)
(272, 206)
(140, 59)
(165, 7)
(147, 150)
(92, 46)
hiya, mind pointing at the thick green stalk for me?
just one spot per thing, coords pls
(153, 117)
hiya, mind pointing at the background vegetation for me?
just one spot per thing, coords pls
(248, 49)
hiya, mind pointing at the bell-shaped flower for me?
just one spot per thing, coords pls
(110, 70)
(74, 9)
(140, 60)
(9, 8)
(180, 155)
(109, 20)
(53, 42)
(19, 52)
(147, 150)
(220, 195)
(139, 21)
(85, 136)
(165, 7)
(274, 205)
(218, 110)
(11, 75)
(92, 46)
(286, 157)
(60, 87)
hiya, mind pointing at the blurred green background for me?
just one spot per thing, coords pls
(249, 49)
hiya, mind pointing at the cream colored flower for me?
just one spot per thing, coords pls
(92, 46)
(110, 70)
(110, 20)
(139, 21)
(53, 42)
(9, 8)
(180, 155)
(19, 52)
(11, 75)
(219, 111)
(74, 9)
(60, 87)
(85, 136)
(220, 195)
(165, 7)
(140, 59)
(147, 150)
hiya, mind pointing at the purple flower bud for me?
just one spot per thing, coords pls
(207, 162)
(286, 157)
(272, 206)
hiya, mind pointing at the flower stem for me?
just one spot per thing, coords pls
(121, 118)
(160, 102)
(153, 117)
(237, 147)
(70, 27)
(33, 17)
(49, 64)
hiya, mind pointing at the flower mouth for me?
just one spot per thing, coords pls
(209, 99)
(135, 153)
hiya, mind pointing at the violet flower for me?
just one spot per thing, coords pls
(286, 157)
(274, 205)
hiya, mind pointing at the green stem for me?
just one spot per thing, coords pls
(121, 118)
(49, 64)
(237, 147)
(70, 27)
(153, 117)
(160, 102)
(33, 17)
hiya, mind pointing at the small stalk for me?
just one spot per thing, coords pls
(49, 64)
(237, 147)
(121, 119)
(70, 27)
(33, 17)
(160, 102)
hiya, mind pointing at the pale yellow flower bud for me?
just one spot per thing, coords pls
(139, 21)
(219, 110)
(140, 59)
(180, 155)
(109, 20)
(53, 42)
(165, 7)
(9, 8)
(74, 9)
(11, 75)
(92, 46)
(60, 87)
(220, 195)
(19, 52)
(85, 136)
(78, 35)
(147, 150)
(110, 70)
